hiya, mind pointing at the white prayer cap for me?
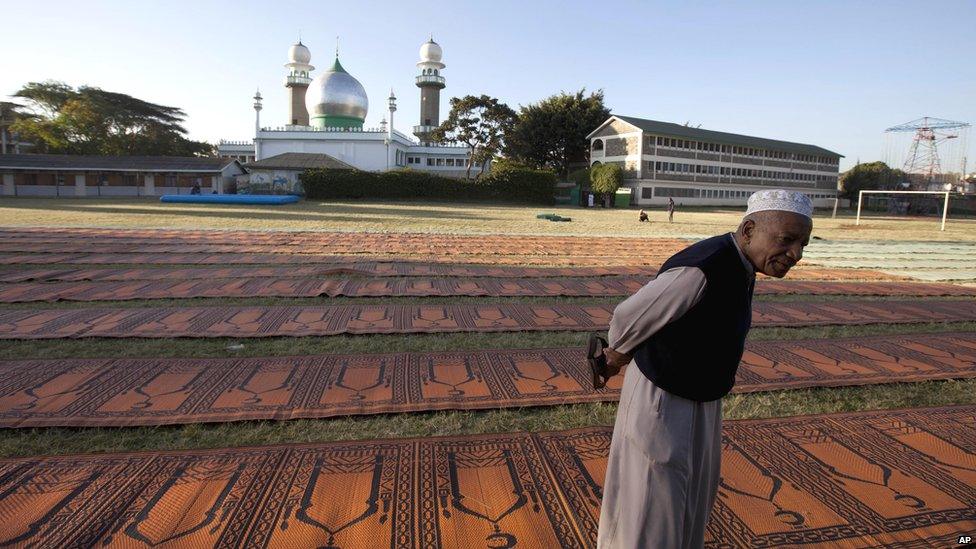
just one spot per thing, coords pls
(780, 200)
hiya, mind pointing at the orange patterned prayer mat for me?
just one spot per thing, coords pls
(890, 478)
(126, 392)
(391, 319)
(424, 287)
(363, 243)
(379, 269)
(375, 269)
(649, 259)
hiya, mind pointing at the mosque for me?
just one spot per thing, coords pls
(325, 126)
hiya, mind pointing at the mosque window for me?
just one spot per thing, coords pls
(598, 145)
(440, 161)
(450, 161)
(430, 161)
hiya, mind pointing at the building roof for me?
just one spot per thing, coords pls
(667, 128)
(299, 161)
(67, 162)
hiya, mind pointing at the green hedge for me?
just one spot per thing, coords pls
(505, 185)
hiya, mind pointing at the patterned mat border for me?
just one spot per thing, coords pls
(126, 392)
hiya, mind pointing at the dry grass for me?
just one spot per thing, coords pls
(455, 218)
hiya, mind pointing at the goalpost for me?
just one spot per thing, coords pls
(945, 206)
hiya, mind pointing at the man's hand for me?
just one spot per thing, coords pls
(616, 361)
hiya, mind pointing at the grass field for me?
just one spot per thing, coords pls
(432, 218)
(441, 218)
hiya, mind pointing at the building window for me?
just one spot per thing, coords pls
(598, 145)
(450, 161)
(170, 180)
(647, 192)
(430, 161)
(676, 192)
(440, 161)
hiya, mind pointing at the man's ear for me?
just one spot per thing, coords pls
(748, 228)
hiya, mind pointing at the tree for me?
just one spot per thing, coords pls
(606, 179)
(869, 177)
(552, 133)
(94, 121)
(478, 122)
(9, 114)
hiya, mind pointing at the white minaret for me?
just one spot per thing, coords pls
(390, 148)
(392, 103)
(257, 125)
(297, 82)
(430, 83)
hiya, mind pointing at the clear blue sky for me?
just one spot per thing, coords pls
(834, 74)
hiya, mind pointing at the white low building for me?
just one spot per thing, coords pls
(76, 175)
(692, 166)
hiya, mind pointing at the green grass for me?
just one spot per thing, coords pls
(353, 344)
(59, 441)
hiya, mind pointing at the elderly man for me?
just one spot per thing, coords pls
(683, 335)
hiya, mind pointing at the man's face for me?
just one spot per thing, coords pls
(775, 241)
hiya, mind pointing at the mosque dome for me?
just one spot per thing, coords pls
(336, 99)
(430, 52)
(298, 53)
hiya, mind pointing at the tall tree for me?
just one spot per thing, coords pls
(478, 122)
(94, 121)
(552, 133)
(606, 179)
(871, 176)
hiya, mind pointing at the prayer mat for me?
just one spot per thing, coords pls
(889, 478)
(611, 286)
(374, 269)
(127, 391)
(324, 320)
(363, 243)
(296, 259)
(378, 269)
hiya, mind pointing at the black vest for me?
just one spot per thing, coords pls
(696, 356)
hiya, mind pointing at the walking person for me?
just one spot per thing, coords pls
(670, 210)
(683, 335)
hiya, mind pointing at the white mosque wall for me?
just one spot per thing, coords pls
(363, 155)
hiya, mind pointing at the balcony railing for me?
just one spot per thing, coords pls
(430, 79)
(423, 129)
(301, 80)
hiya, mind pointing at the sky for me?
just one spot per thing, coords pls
(832, 74)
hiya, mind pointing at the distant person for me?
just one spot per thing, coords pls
(643, 216)
(670, 210)
(195, 189)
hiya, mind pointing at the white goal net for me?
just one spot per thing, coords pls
(945, 203)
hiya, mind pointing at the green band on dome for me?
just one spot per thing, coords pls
(331, 121)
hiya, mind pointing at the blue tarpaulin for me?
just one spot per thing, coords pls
(230, 198)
